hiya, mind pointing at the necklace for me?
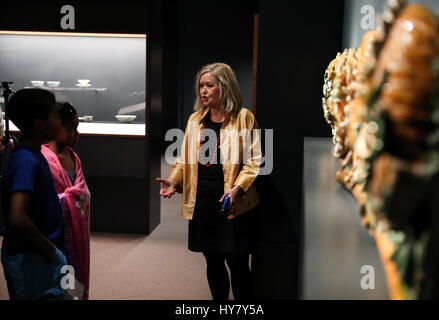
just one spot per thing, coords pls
(203, 141)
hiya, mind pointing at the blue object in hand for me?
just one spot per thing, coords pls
(226, 203)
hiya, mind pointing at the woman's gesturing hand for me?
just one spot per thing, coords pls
(234, 194)
(168, 187)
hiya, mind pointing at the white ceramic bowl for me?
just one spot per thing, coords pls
(83, 81)
(37, 83)
(125, 117)
(83, 85)
(53, 84)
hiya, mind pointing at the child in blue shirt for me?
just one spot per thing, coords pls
(32, 251)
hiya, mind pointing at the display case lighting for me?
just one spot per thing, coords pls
(73, 34)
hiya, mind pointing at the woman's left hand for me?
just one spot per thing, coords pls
(234, 194)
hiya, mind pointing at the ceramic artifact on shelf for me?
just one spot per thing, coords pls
(126, 118)
(85, 119)
(83, 83)
(53, 84)
(382, 102)
(37, 83)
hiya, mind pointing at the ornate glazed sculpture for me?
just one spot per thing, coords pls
(382, 102)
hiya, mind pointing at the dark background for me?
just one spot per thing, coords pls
(296, 43)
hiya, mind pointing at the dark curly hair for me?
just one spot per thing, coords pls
(66, 113)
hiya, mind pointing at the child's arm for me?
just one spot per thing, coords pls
(20, 222)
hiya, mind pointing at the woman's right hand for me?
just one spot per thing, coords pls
(168, 187)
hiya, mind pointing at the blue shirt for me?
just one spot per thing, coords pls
(28, 170)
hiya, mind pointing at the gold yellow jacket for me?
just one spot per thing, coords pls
(235, 149)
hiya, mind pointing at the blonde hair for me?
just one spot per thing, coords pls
(230, 95)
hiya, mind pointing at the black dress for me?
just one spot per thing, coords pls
(209, 229)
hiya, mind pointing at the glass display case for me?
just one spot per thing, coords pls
(102, 75)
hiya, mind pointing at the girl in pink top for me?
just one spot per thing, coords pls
(74, 196)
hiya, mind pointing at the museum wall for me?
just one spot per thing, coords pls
(91, 16)
(296, 43)
(225, 36)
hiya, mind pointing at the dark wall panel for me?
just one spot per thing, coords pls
(113, 157)
(215, 31)
(128, 16)
(272, 276)
(156, 83)
(171, 78)
(296, 43)
(118, 205)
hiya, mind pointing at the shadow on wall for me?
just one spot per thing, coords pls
(275, 257)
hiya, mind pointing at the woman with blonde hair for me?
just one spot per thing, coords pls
(217, 181)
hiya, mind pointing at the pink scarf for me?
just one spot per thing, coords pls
(75, 204)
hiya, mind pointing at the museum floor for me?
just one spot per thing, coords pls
(157, 267)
